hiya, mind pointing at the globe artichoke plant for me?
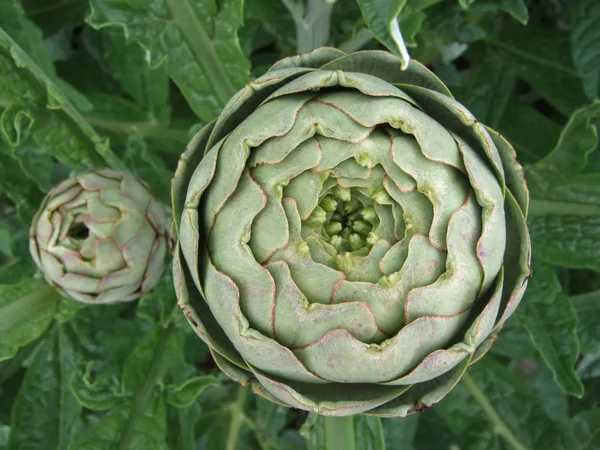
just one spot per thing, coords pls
(350, 237)
(100, 237)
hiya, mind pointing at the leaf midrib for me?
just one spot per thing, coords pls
(203, 49)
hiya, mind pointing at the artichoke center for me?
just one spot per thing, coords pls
(348, 223)
(78, 231)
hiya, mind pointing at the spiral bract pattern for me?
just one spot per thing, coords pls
(350, 237)
(100, 237)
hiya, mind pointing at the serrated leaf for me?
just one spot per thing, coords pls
(564, 214)
(578, 139)
(46, 383)
(29, 37)
(148, 87)
(493, 407)
(118, 429)
(138, 420)
(549, 318)
(195, 31)
(56, 125)
(585, 40)
(26, 312)
(153, 357)
(96, 388)
(183, 395)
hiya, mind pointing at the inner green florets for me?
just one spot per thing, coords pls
(347, 222)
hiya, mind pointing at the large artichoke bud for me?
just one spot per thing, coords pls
(100, 237)
(350, 237)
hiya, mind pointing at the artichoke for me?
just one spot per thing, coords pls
(350, 237)
(100, 237)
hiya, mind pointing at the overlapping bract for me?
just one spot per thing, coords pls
(100, 237)
(350, 237)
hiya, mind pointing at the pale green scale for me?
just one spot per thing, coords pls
(315, 280)
(298, 322)
(270, 227)
(423, 265)
(230, 254)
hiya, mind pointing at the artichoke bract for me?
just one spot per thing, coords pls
(350, 238)
(100, 237)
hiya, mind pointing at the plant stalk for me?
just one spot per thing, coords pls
(237, 419)
(498, 425)
(312, 24)
(339, 433)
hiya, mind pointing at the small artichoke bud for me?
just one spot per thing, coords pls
(100, 237)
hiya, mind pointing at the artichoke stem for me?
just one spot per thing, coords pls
(339, 433)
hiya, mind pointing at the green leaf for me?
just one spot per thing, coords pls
(197, 32)
(517, 9)
(490, 86)
(4, 433)
(52, 15)
(588, 312)
(532, 134)
(16, 263)
(381, 16)
(400, 433)
(369, 433)
(578, 139)
(26, 311)
(137, 415)
(185, 394)
(271, 419)
(27, 92)
(118, 430)
(16, 183)
(395, 23)
(148, 87)
(119, 117)
(29, 37)
(493, 407)
(550, 319)
(149, 166)
(585, 40)
(581, 432)
(181, 424)
(96, 388)
(543, 58)
(160, 304)
(45, 413)
(564, 213)
(225, 425)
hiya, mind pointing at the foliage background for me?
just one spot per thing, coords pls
(126, 83)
